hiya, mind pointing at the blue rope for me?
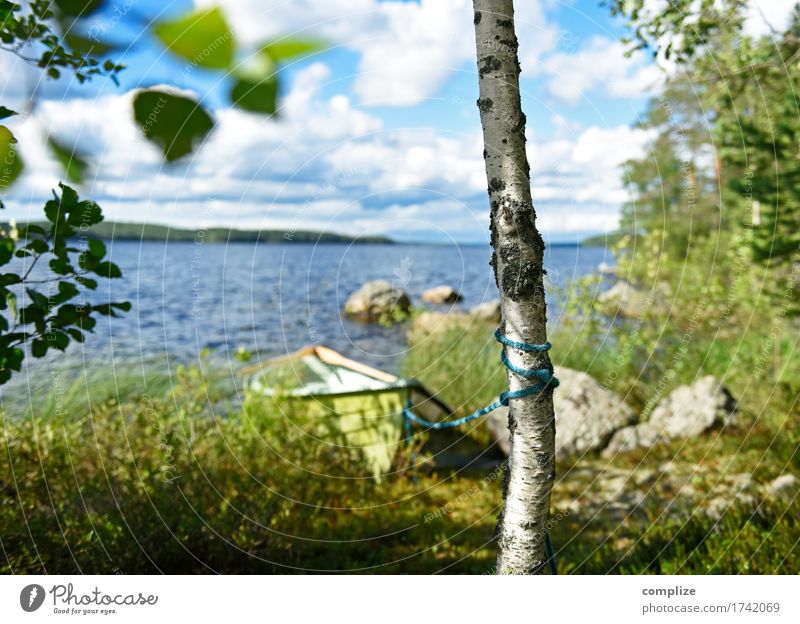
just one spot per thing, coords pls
(544, 375)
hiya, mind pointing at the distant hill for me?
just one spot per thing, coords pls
(109, 230)
(603, 240)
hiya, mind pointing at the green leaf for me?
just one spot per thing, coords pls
(38, 299)
(107, 269)
(174, 122)
(85, 213)
(66, 291)
(202, 37)
(97, 248)
(256, 95)
(52, 210)
(291, 47)
(6, 250)
(89, 46)
(6, 112)
(61, 266)
(76, 334)
(31, 228)
(108, 309)
(69, 196)
(6, 10)
(75, 166)
(104, 309)
(9, 279)
(10, 161)
(38, 347)
(59, 339)
(86, 282)
(13, 359)
(79, 8)
(38, 246)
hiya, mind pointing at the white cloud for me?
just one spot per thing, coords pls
(600, 63)
(329, 164)
(407, 50)
(325, 165)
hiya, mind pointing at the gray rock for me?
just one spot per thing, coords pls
(626, 300)
(431, 322)
(686, 412)
(488, 311)
(736, 492)
(690, 410)
(378, 300)
(441, 295)
(587, 415)
(785, 488)
(673, 490)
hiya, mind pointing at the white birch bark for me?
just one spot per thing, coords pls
(517, 256)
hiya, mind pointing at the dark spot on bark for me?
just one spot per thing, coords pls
(505, 23)
(512, 43)
(521, 278)
(504, 141)
(477, 19)
(519, 125)
(493, 239)
(485, 104)
(512, 423)
(485, 154)
(496, 185)
(521, 257)
(488, 64)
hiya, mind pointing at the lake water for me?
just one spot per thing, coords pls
(271, 299)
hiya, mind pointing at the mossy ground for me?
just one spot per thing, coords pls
(140, 480)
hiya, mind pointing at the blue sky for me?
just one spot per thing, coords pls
(379, 134)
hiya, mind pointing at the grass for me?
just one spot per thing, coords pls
(176, 479)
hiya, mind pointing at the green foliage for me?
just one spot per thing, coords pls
(54, 311)
(40, 22)
(256, 84)
(174, 122)
(681, 28)
(177, 124)
(242, 491)
(288, 48)
(165, 475)
(10, 160)
(758, 132)
(256, 92)
(79, 8)
(722, 171)
(202, 37)
(74, 164)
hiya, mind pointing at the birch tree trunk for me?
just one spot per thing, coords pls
(518, 250)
